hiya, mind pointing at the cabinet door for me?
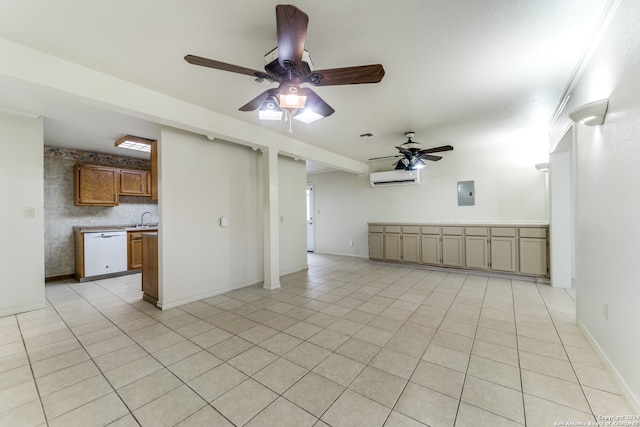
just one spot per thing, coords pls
(376, 245)
(476, 252)
(411, 248)
(96, 186)
(135, 251)
(133, 183)
(392, 247)
(503, 254)
(452, 251)
(533, 256)
(430, 249)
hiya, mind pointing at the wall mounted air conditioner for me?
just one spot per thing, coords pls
(396, 177)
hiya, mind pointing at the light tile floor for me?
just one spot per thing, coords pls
(346, 343)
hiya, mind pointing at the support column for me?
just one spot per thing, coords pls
(271, 215)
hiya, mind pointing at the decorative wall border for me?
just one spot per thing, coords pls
(96, 158)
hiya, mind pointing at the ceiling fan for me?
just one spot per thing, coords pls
(412, 155)
(289, 65)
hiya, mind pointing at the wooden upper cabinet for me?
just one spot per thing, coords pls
(133, 183)
(95, 185)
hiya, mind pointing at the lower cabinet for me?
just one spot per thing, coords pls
(150, 267)
(430, 252)
(134, 252)
(452, 246)
(503, 249)
(476, 248)
(521, 250)
(411, 244)
(533, 246)
(392, 243)
(376, 245)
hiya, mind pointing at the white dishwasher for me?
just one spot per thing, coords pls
(105, 252)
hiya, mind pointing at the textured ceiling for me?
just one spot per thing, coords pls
(465, 73)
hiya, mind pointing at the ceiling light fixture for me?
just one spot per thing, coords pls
(134, 143)
(270, 111)
(289, 98)
(591, 114)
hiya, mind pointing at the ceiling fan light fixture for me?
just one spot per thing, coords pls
(307, 115)
(270, 111)
(289, 98)
(416, 163)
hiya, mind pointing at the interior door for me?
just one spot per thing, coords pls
(311, 243)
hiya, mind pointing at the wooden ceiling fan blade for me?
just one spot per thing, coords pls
(257, 102)
(432, 158)
(436, 149)
(316, 103)
(347, 75)
(385, 157)
(291, 25)
(218, 65)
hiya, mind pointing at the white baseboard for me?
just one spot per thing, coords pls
(22, 309)
(172, 304)
(627, 394)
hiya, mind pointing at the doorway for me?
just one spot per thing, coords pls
(562, 190)
(311, 243)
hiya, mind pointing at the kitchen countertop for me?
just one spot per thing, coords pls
(105, 228)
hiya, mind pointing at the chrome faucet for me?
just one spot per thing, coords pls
(142, 218)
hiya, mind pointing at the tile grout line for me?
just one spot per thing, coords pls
(33, 376)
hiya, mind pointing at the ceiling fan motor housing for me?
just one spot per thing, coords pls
(272, 65)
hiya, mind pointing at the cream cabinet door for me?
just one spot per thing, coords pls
(452, 251)
(392, 247)
(430, 249)
(411, 248)
(476, 252)
(503, 254)
(376, 245)
(533, 256)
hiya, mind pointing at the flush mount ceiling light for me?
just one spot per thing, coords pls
(591, 114)
(134, 143)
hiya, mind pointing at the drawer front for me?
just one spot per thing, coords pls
(539, 233)
(430, 230)
(376, 228)
(392, 228)
(476, 231)
(503, 232)
(452, 231)
(410, 229)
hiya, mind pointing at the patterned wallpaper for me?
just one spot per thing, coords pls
(61, 215)
(96, 158)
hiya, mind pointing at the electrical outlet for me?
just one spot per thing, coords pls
(605, 310)
(29, 213)
(350, 243)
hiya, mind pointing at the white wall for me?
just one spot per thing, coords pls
(607, 203)
(202, 181)
(22, 242)
(508, 189)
